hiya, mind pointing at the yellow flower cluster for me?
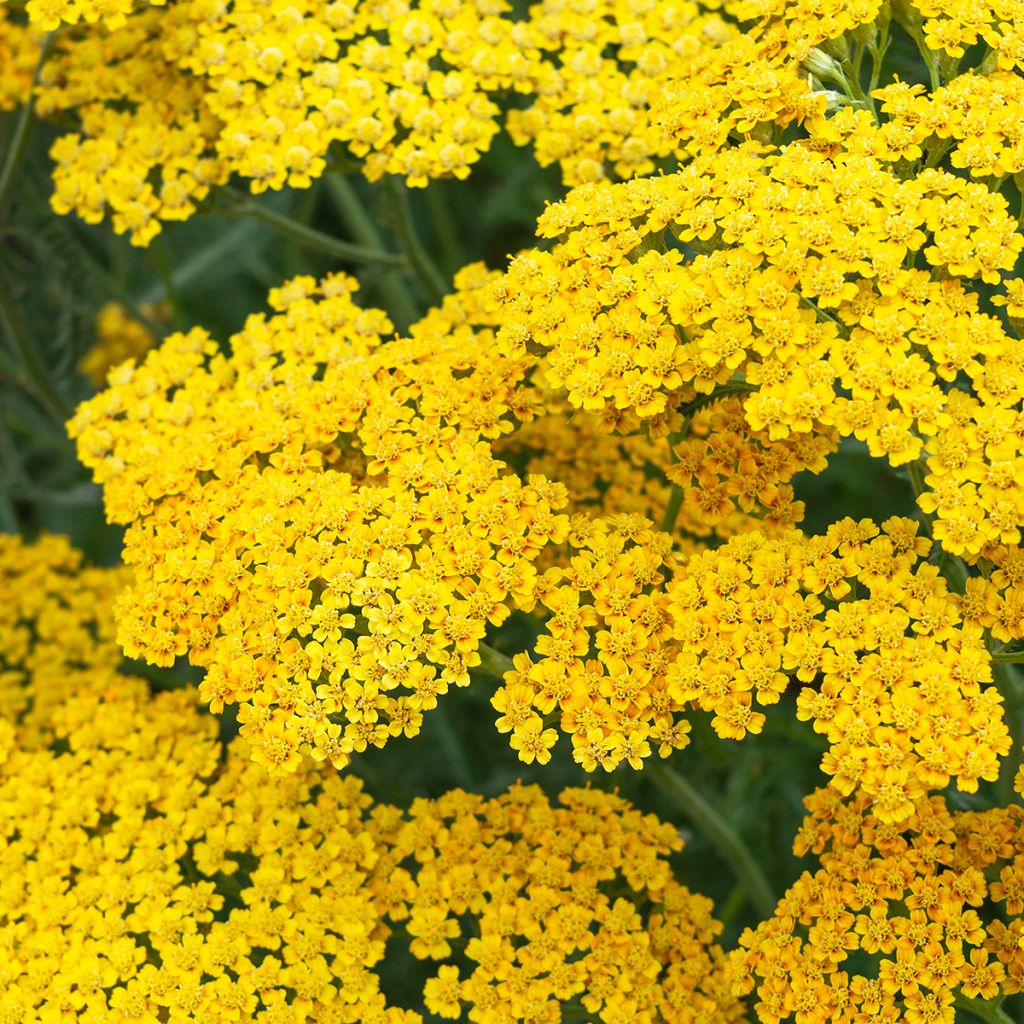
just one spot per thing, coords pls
(953, 27)
(891, 674)
(600, 663)
(318, 518)
(119, 336)
(156, 883)
(408, 88)
(731, 478)
(975, 117)
(142, 153)
(56, 627)
(994, 601)
(897, 922)
(524, 885)
(147, 875)
(52, 14)
(755, 81)
(596, 69)
(837, 296)
(405, 86)
(20, 47)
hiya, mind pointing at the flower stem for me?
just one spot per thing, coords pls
(312, 238)
(721, 834)
(433, 281)
(493, 662)
(993, 1013)
(348, 204)
(31, 365)
(675, 503)
(23, 128)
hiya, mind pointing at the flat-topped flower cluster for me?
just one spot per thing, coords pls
(572, 487)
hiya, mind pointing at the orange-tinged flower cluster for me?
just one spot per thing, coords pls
(897, 922)
(56, 627)
(792, 275)
(730, 478)
(317, 518)
(525, 885)
(857, 623)
(147, 874)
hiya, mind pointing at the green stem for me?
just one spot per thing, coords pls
(878, 57)
(199, 263)
(675, 498)
(984, 1010)
(23, 128)
(433, 281)
(348, 204)
(310, 237)
(675, 503)
(493, 662)
(721, 834)
(31, 365)
(930, 59)
(1011, 686)
(163, 269)
(441, 222)
(1008, 657)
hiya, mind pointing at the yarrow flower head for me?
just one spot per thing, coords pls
(57, 628)
(897, 922)
(855, 622)
(781, 274)
(317, 518)
(162, 877)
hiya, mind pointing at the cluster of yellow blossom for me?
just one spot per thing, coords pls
(50, 15)
(994, 601)
(953, 26)
(530, 888)
(119, 336)
(730, 478)
(142, 153)
(755, 81)
(146, 874)
(154, 880)
(318, 518)
(891, 674)
(897, 922)
(405, 86)
(409, 88)
(976, 117)
(596, 70)
(20, 48)
(793, 275)
(56, 626)
(796, 62)
(600, 662)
